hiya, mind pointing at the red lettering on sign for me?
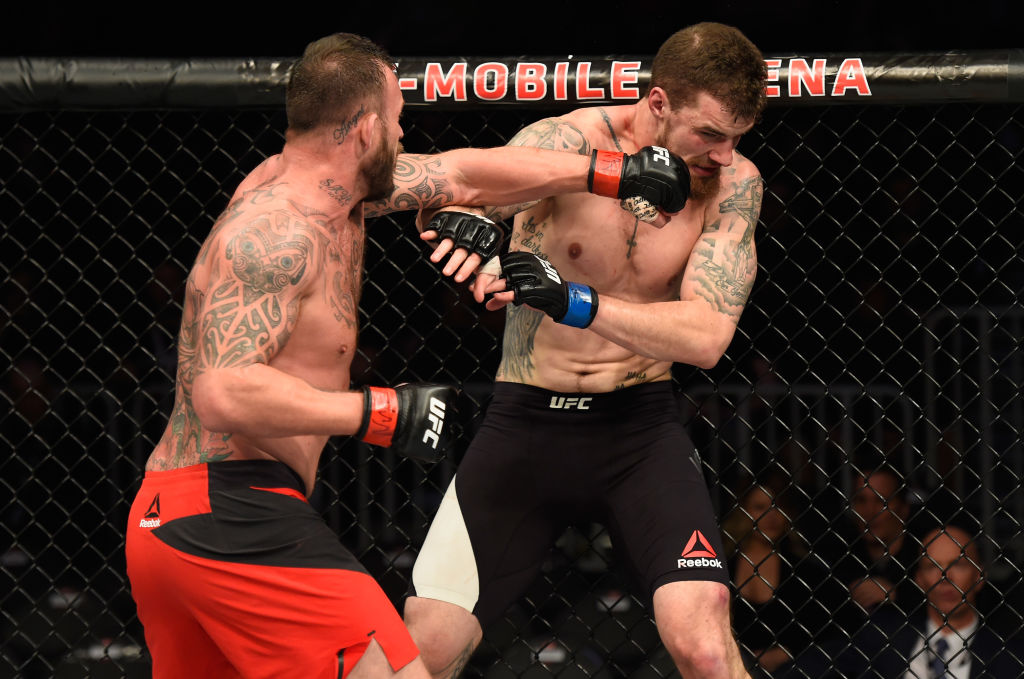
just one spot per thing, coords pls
(811, 78)
(624, 73)
(490, 81)
(530, 84)
(851, 76)
(583, 88)
(773, 77)
(436, 83)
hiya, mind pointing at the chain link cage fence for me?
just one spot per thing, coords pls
(882, 337)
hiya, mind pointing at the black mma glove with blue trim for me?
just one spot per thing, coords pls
(536, 282)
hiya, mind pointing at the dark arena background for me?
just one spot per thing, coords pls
(884, 331)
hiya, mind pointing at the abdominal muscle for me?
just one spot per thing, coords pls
(576, 361)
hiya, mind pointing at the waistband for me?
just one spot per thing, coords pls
(529, 396)
(264, 474)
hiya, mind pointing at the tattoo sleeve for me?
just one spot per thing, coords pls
(421, 182)
(725, 261)
(252, 303)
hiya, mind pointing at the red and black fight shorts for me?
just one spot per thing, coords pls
(234, 574)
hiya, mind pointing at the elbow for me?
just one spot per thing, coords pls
(706, 360)
(713, 348)
(212, 402)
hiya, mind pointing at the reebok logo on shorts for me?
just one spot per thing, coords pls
(151, 519)
(698, 553)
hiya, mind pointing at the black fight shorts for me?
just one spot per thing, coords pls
(542, 461)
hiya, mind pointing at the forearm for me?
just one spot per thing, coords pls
(514, 174)
(681, 332)
(260, 401)
(495, 176)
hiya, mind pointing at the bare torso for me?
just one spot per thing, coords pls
(275, 269)
(591, 240)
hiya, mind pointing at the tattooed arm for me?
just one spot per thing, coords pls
(247, 289)
(698, 328)
(548, 134)
(494, 176)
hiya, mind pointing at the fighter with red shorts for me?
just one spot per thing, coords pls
(236, 575)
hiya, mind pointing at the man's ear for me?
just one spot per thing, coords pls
(367, 129)
(657, 101)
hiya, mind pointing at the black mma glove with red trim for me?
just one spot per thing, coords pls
(414, 419)
(536, 282)
(652, 173)
(468, 231)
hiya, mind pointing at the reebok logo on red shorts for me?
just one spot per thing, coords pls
(698, 553)
(151, 519)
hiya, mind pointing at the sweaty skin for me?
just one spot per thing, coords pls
(667, 295)
(270, 319)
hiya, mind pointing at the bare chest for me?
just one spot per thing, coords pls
(591, 240)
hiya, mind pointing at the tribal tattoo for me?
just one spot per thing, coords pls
(184, 423)
(421, 182)
(244, 317)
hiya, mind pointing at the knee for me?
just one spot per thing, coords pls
(445, 634)
(705, 658)
(698, 634)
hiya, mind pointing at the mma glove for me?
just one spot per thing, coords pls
(536, 282)
(652, 173)
(413, 419)
(468, 231)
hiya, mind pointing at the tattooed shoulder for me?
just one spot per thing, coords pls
(553, 133)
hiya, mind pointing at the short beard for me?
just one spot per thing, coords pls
(380, 177)
(702, 188)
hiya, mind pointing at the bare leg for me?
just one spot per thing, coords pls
(446, 635)
(374, 665)
(693, 621)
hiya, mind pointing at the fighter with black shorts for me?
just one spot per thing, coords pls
(584, 423)
(580, 459)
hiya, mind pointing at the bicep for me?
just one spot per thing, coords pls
(723, 265)
(250, 299)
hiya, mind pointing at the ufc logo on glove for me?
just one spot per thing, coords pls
(436, 418)
(550, 271)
